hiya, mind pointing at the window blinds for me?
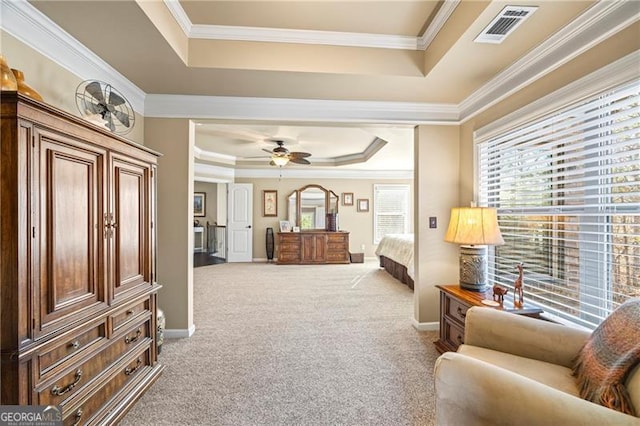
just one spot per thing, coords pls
(567, 191)
(391, 207)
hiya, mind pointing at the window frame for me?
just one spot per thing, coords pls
(376, 204)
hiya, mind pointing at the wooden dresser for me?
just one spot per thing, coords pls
(313, 247)
(454, 303)
(77, 268)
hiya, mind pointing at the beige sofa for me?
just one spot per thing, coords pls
(514, 370)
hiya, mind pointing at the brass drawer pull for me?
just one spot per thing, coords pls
(129, 371)
(130, 339)
(75, 344)
(78, 416)
(462, 314)
(459, 338)
(57, 390)
(130, 312)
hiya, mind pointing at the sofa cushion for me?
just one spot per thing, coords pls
(608, 357)
(555, 376)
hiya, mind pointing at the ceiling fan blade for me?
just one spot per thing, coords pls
(299, 160)
(299, 154)
(115, 99)
(267, 150)
(95, 90)
(122, 117)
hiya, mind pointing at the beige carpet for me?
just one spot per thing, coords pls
(295, 345)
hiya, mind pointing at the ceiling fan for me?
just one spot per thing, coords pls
(280, 155)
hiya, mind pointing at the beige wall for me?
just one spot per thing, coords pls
(55, 84)
(211, 206)
(436, 156)
(359, 224)
(174, 139)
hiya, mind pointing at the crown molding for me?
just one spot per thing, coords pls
(279, 35)
(213, 157)
(248, 108)
(211, 173)
(614, 74)
(438, 22)
(220, 174)
(178, 13)
(33, 28)
(315, 173)
(596, 24)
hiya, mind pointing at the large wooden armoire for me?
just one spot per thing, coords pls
(77, 269)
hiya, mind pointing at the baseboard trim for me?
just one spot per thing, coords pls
(180, 333)
(425, 326)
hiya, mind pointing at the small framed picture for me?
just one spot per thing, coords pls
(296, 229)
(199, 204)
(363, 204)
(269, 202)
(347, 198)
(285, 226)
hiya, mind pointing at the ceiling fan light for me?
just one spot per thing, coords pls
(280, 160)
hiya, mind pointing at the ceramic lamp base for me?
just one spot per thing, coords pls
(473, 268)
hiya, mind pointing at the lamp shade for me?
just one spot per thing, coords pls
(474, 226)
(280, 160)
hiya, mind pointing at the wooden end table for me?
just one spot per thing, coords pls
(454, 303)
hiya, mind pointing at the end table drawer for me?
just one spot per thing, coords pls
(453, 335)
(456, 309)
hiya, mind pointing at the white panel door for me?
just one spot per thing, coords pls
(239, 222)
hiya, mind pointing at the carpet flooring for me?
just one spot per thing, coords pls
(295, 345)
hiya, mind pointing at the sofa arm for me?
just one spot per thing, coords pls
(523, 336)
(473, 392)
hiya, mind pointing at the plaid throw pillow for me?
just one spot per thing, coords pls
(612, 351)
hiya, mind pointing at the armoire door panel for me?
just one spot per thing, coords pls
(131, 184)
(71, 194)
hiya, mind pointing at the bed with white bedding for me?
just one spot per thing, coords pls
(395, 252)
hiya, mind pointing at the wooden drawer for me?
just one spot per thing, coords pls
(338, 256)
(342, 246)
(291, 237)
(338, 238)
(289, 247)
(129, 313)
(74, 378)
(126, 371)
(456, 310)
(68, 347)
(453, 334)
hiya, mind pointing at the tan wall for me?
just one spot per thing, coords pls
(359, 224)
(436, 156)
(55, 84)
(211, 206)
(609, 51)
(173, 138)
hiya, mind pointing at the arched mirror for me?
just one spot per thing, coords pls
(309, 205)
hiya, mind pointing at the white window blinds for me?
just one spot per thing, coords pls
(567, 191)
(391, 210)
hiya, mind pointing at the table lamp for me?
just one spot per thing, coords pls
(474, 228)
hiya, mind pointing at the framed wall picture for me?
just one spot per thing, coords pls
(347, 198)
(199, 204)
(363, 204)
(285, 226)
(269, 202)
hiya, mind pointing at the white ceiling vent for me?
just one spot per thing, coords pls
(504, 24)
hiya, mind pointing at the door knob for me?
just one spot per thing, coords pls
(249, 226)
